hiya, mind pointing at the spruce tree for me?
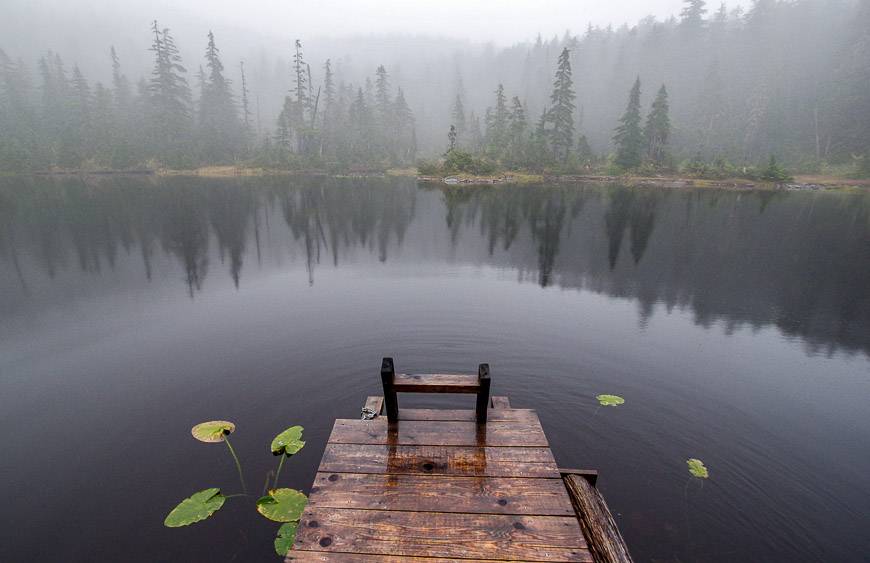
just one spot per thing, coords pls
(628, 135)
(457, 115)
(497, 124)
(170, 101)
(517, 135)
(406, 136)
(658, 128)
(561, 114)
(692, 16)
(219, 123)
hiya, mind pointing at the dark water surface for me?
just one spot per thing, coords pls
(736, 326)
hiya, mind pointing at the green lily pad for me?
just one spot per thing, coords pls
(697, 469)
(610, 400)
(286, 538)
(213, 430)
(282, 505)
(198, 506)
(288, 442)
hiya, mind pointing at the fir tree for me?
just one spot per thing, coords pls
(406, 136)
(692, 16)
(562, 111)
(497, 124)
(170, 101)
(517, 135)
(658, 128)
(628, 135)
(457, 114)
(451, 138)
(219, 124)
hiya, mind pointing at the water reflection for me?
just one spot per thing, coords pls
(798, 261)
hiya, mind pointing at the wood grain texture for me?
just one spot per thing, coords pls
(467, 414)
(375, 403)
(596, 521)
(499, 402)
(326, 557)
(427, 493)
(439, 460)
(435, 383)
(433, 534)
(438, 433)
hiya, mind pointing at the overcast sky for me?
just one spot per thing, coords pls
(500, 21)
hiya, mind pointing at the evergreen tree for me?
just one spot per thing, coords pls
(457, 114)
(692, 16)
(451, 138)
(220, 129)
(120, 84)
(658, 128)
(561, 113)
(406, 135)
(628, 135)
(517, 136)
(246, 108)
(497, 124)
(170, 101)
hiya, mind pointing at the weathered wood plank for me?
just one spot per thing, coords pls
(375, 403)
(439, 460)
(327, 557)
(499, 402)
(438, 433)
(436, 383)
(427, 493)
(467, 414)
(598, 526)
(434, 534)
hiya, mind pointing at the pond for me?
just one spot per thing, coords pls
(736, 325)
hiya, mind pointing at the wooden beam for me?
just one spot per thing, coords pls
(391, 402)
(438, 433)
(499, 402)
(590, 475)
(483, 381)
(603, 537)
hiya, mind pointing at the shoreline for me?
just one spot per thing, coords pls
(800, 183)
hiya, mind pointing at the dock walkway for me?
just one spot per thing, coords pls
(434, 485)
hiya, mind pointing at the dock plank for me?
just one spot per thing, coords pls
(477, 495)
(439, 433)
(439, 460)
(433, 534)
(436, 383)
(493, 415)
(326, 557)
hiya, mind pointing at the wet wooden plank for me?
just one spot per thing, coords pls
(436, 383)
(438, 433)
(467, 414)
(427, 493)
(434, 534)
(326, 557)
(375, 403)
(439, 460)
(499, 402)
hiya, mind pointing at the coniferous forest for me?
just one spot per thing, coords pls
(711, 91)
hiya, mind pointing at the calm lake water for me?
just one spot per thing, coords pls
(736, 326)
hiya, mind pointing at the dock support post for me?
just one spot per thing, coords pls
(482, 393)
(391, 401)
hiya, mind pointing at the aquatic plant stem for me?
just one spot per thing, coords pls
(238, 465)
(278, 472)
(269, 475)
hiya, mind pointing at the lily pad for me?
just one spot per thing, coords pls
(286, 537)
(610, 400)
(288, 442)
(697, 469)
(282, 505)
(198, 506)
(213, 430)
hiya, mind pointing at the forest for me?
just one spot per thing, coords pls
(710, 91)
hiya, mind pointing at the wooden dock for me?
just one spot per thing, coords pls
(436, 485)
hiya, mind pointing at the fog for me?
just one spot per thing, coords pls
(745, 80)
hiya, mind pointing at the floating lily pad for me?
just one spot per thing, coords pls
(213, 430)
(198, 506)
(286, 537)
(288, 442)
(282, 505)
(610, 400)
(697, 469)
